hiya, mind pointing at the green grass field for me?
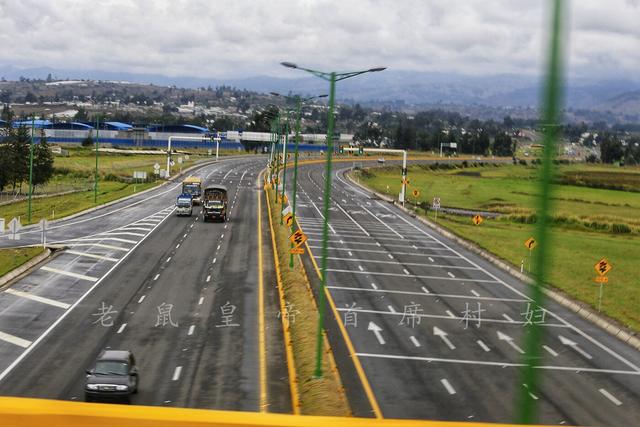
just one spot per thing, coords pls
(575, 247)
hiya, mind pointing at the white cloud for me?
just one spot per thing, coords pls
(215, 38)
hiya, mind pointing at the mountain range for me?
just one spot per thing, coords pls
(395, 88)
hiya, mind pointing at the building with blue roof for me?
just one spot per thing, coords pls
(37, 124)
(177, 129)
(70, 126)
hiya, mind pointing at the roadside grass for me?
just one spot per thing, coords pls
(13, 258)
(323, 396)
(589, 224)
(59, 206)
(572, 257)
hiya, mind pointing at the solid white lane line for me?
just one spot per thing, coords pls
(414, 341)
(99, 245)
(382, 222)
(136, 228)
(426, 291)
(448, 386)
(407, 274)
(148, 224)
(550, 351)
(191, 328)
(201, 300)
(391, 309)
(68, 273)
(100, 239)
(141, 299)
(375, 261)
(12, 339)
(176, 373)
(88, 255)
(354, 221)
(168, 259)
(498, 364)
(474, 293)
(32, 297)
(406, 271)
(156, 276)
(208, 278)
(374, 286)
(483, 346)
(506, 316)
(382, 252)
(124, 325)
(610, 397)
(121, 233)
(450, 274)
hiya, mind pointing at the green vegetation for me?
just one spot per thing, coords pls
(323, 396)
(588, 223)
(14, 258)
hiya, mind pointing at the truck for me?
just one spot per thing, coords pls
(193, 185)
(184, 205)
(214, 203)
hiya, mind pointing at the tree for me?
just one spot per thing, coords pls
(610, 149)
(81, 115)
(42, 162)
(368, 134)
(30, 98)
(5, 166)
(503, 145)
(18, 156)
(7, 114)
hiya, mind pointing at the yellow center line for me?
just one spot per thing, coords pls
(261, 329)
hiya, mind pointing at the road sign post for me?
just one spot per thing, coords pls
(14, 227)
(477, 219)
(43, 224)
(530, 243)
(602, 267)
(436, 205)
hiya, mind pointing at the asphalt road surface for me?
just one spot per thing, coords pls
(180, 293)
(439, 331)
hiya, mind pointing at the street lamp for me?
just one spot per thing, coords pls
(332, 78)
(95, 183)
(299, 100)
(33, 123)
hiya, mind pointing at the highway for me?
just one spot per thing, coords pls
(183, 295)
(439, 331)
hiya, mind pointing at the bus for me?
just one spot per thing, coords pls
(193, 185)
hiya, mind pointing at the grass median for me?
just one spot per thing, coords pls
(318, 396)
(592, 219)
(11, 259)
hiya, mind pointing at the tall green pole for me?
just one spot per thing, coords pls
(325, 228)
(284, 165)
(277, 155)
(95, 183)
(533, 332)
(295, 173)
(33, 123)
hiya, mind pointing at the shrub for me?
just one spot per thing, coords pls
(523, 162)
(620, 228)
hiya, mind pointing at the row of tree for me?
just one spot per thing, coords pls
(15, 156)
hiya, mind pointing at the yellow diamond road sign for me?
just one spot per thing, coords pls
(477, 219)
(416, 193)
(530, 243)
(298, 238)
(288, 219)
(603, 267)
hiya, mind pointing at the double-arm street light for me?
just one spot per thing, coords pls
(332, 78)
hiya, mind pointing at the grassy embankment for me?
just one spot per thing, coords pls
(76, 172)
(324, 396)
(14, 258)
(588, 223)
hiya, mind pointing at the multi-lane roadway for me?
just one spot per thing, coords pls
(438, 331)
(421, 327)
(181, 294)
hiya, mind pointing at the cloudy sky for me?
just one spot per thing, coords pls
(240, 38)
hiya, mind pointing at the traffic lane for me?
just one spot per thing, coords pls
(160, 324)
(52, 367)
(115, 215)
(227, 373)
